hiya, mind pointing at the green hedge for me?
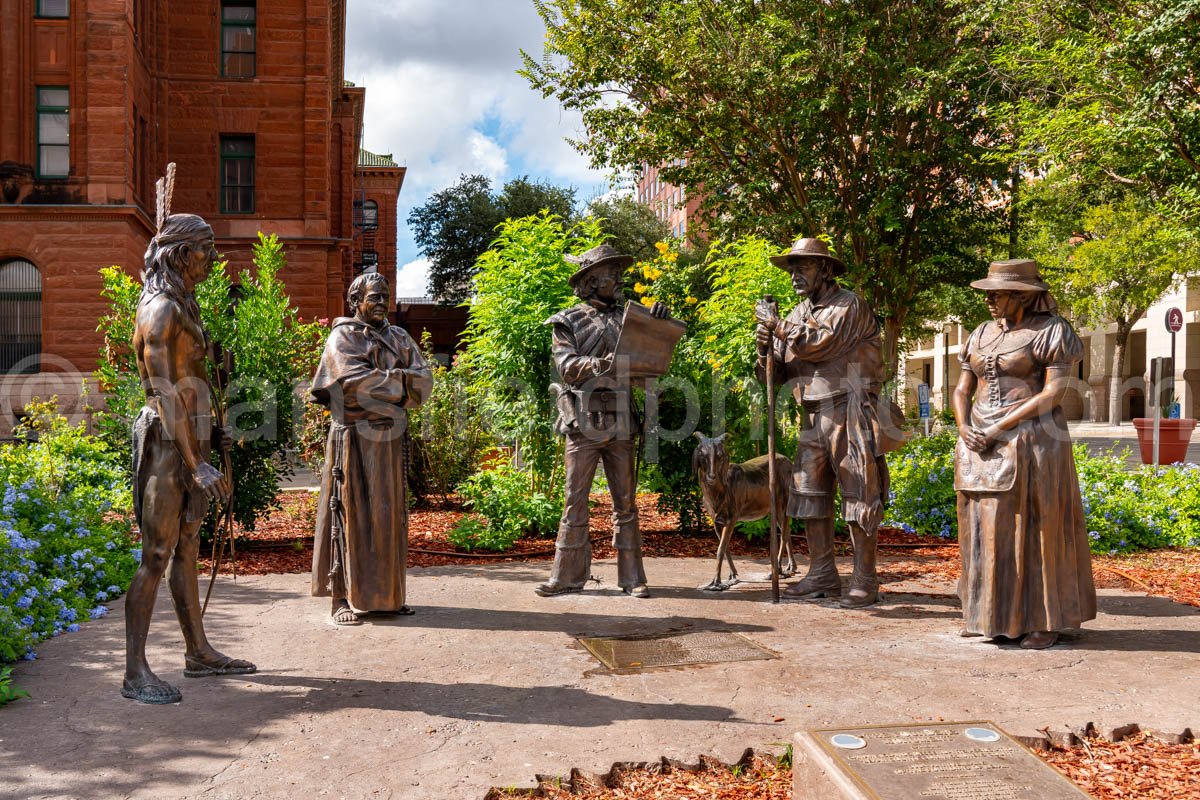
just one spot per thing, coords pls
(65, 545)
(1126, 509)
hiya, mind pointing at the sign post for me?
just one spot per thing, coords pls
(1174, 323)
(923, 404)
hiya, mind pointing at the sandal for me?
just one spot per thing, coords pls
(158, 693)
(345, 617)
(194, 668)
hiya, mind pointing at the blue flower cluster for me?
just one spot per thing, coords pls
(1125, 510)
(65, 547)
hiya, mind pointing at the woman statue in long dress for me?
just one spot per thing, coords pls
(1026, 568)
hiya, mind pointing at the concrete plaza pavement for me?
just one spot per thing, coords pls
(486, 686)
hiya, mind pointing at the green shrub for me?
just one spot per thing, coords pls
(509, 510)
(1126, 510)
(65, 545)
(521, 281)
(922, 498)
(447, 432)
(9, 692)
(273, 351)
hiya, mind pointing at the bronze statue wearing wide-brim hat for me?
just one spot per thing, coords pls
(604, 255)
(809, 248)
(1015, 275)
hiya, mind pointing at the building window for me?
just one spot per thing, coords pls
(237, 38)
(237, 174)
(53, 9)
(366, 214)
(53, 131)
(370, 261)
(20, 317)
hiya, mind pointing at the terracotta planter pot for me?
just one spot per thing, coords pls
(1174, 435)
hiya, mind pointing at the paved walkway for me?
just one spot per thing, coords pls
(486, 686)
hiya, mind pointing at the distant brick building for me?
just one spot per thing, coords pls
(673, 205)
(248, 98)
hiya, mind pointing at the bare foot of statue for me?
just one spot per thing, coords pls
(149, 688)
(342, 614)
(214, 663)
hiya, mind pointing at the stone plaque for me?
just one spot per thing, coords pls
(632, 653)
(938, 761)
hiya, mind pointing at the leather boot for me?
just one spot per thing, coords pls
(822, 579)
(631, 576)
(572, 562)
(864, 583)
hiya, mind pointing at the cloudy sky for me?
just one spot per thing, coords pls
(444, 99)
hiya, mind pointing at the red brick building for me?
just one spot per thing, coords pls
(248, 98)
(673, 205)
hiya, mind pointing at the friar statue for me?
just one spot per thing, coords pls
(173, 436)
(596, 415)
(370, 373)
(829, 349)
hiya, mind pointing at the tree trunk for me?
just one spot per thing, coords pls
(1014, 215)
(891, 354)
(1118, 371)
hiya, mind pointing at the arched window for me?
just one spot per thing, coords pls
(20, 316)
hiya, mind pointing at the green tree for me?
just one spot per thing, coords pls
(1123, 259)
(860, 120)
(273, 351)
(455, 226)
(1106, 91)
(521, 281)
(631, 226)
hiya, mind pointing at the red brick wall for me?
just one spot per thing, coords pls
(163, 67)
(381, 184)
(69, 249)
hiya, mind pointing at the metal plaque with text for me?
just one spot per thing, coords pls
(943, 761)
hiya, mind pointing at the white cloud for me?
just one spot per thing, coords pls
(444, 99)
(412, 279)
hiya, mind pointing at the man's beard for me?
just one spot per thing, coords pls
(595, 301)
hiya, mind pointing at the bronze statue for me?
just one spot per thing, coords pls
(369, 374)
(1026, 568)
(173, 437)
(829, 348)
(734, 493)
(596, 415)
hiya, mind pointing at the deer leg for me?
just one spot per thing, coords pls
(786, 570)
(723, 532)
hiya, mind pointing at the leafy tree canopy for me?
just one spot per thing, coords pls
(456, 225)
(860, 120)
(631, 226)
(1105, 90)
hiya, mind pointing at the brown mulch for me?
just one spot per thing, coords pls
(283, 543)
(1137, 767)
(760, 779)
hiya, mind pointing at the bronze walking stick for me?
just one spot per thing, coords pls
(771, 469)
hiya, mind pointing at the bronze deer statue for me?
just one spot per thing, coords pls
(736, 493)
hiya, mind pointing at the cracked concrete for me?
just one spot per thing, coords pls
(486, 687)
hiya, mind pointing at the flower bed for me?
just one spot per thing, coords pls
(65, 546)
(1127, 510)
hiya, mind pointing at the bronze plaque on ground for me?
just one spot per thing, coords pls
(631, 653)
(942, 761)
